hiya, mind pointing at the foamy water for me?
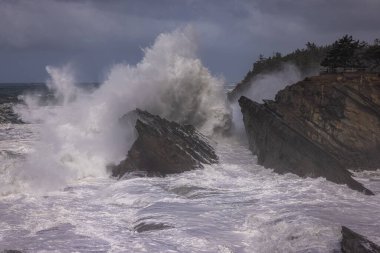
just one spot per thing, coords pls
(235, 206)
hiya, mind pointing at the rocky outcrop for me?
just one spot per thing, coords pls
(319, 127)
(7, 101)
(355, 243)
(164, 147)
(7, 115)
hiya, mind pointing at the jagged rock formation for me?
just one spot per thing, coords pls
(355, 243)
(319, 127)
(163, 147)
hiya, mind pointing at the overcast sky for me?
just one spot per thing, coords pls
(94, 35)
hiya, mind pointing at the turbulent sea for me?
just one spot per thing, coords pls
(56, 195)
(235, 206)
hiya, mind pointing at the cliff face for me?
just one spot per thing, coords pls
(340, 113)
(164, 147)
(318, 127)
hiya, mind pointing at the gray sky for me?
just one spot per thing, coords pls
(94, 35)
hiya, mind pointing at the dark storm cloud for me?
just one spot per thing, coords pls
(232, 33)
(326, 15)
(64, 24)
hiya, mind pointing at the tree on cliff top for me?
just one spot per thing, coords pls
(344, 52)
(307, 60)
(372, 54)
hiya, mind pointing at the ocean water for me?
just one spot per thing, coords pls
(56, 196)
(234, 206)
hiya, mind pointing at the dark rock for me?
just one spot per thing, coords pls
(341, 113)
(144, 227)
(318, 128)
(10, 251)
(7, 115)
(355, 243)
(163, 147)
(284, 149)
(9, 97)
(186, 190)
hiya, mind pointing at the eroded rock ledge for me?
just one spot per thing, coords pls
(321, 126)
(164, 147)
(355, 243)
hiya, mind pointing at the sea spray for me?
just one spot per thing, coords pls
(80, 132)
(266, 86)
(262, 87)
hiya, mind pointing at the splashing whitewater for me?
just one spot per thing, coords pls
(80, 133)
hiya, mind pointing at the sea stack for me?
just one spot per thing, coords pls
(164, 147)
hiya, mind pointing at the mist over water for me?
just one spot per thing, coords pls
(80, 132)
(265, 87)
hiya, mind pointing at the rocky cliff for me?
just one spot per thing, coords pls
(163, 147)
(319, 127)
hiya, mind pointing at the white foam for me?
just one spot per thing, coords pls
(235, 206)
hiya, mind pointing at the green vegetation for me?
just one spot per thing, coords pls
(305, 60)
(343, 53)
(349, 53)
(372, 54)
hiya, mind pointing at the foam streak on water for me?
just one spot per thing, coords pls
(235, 206)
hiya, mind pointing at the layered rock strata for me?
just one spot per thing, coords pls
(164, 147)
(321, 126)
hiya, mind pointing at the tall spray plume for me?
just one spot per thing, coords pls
(81, 134)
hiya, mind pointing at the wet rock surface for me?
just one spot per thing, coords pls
(163, 147)
(7, 115)
(353, 242)
(321, 126)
